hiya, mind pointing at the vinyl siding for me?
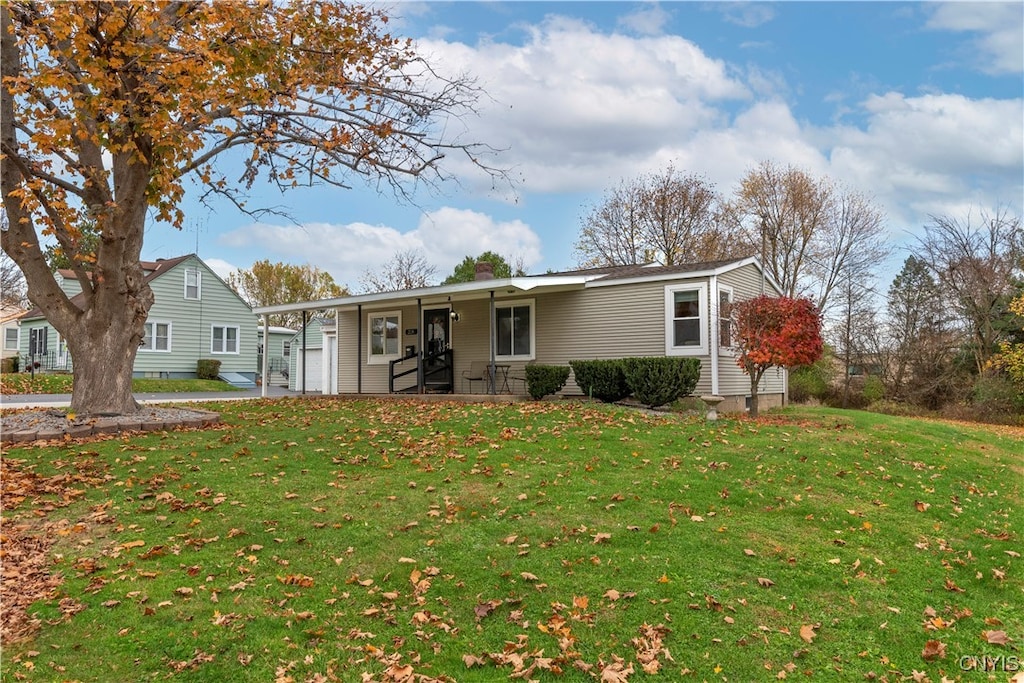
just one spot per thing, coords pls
(314, 339)
(732, 381)
(192, 321)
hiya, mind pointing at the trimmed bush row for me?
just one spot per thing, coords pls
(653, 381)
(207, 368)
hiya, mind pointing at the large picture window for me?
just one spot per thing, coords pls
(686, 320)
(224, 339)
(158, 337)
(384, 330)
(514, 330)
(37, 337)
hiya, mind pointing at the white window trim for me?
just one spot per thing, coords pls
(718, 315)
(382, 358)
(150, 336)
(533, 329)
(199, 285)
(238, 340)
(17, 338)
(702, 303)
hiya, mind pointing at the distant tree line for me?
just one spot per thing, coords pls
(947, 335)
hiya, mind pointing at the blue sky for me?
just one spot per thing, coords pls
(918, 105)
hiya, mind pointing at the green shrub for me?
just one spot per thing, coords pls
(542, 380)
(207, 368)
(995, 398)
(602, 379)
(10, 365)
(874, 389)
(656, 381)
(809, 381)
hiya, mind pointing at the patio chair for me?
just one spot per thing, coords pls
(478, 372)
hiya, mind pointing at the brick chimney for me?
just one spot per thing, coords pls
(484, 271)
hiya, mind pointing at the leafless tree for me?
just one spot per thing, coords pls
(976, 260)
(12, 282)
(810, 233)
(854, 329)
(407, 269)
(668, 218)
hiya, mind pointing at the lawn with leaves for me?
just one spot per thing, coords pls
(42, 383)
(323, 540)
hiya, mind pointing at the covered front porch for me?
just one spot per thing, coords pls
(473, 338)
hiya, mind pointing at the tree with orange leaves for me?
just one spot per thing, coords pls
(775, 332)
(106, 108)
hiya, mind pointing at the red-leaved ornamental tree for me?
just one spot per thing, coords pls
(775, 332)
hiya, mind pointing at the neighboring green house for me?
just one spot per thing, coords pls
(195, 315)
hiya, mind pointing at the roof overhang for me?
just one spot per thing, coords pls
(462, 291)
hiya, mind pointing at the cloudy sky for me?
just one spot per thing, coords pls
(919, 105)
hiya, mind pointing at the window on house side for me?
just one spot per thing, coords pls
(158, 337)
(224, 339)
(11, 339)
(193, 282)
(514, 330)
(384, 329)
(686, 320)
(724, 317)
(287, 351)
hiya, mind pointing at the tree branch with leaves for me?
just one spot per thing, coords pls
(108, 109)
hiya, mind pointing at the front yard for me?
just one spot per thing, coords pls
(321, 540)
(58, 383)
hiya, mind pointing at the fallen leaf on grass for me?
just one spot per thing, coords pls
(933, 650)
(995, 637)
(807, 633)
(765, 583)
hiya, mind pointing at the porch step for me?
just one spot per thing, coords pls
(237, 380)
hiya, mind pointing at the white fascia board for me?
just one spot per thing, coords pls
(462, 290)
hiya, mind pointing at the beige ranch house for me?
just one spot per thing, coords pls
(455, 338)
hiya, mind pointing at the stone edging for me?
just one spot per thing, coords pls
(113, 425)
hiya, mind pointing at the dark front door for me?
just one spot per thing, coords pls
(436, 330)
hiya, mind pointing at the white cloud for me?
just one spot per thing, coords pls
(1000, 29)
(574, 106)
(649, 20)
(220, 267)
(745, 14)
(445, 236)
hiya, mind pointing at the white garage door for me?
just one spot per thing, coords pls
(310, 360)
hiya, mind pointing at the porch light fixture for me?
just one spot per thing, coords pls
(455, 316)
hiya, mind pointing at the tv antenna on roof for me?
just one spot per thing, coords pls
(197, 226)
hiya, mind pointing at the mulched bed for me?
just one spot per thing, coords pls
(47, 424)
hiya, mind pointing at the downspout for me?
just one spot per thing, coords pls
(494, 344)
(265, 363)
(305, 359)
(715, 300)
(359, 349)
(421, 379)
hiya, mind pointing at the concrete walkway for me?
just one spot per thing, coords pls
(17, 401)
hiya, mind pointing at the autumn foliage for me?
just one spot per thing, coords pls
(778, 332)
(109, 110)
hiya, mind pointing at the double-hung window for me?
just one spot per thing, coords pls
(12, 339)
(384, 330)
(725, 317)
(686, 320)
(193, 283)
(37, 337)
(158, 337)
(514, 330)
(224, 339)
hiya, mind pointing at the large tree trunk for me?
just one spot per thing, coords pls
(755, 379)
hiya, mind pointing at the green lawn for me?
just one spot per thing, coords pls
(26, 383)
(321, 540)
